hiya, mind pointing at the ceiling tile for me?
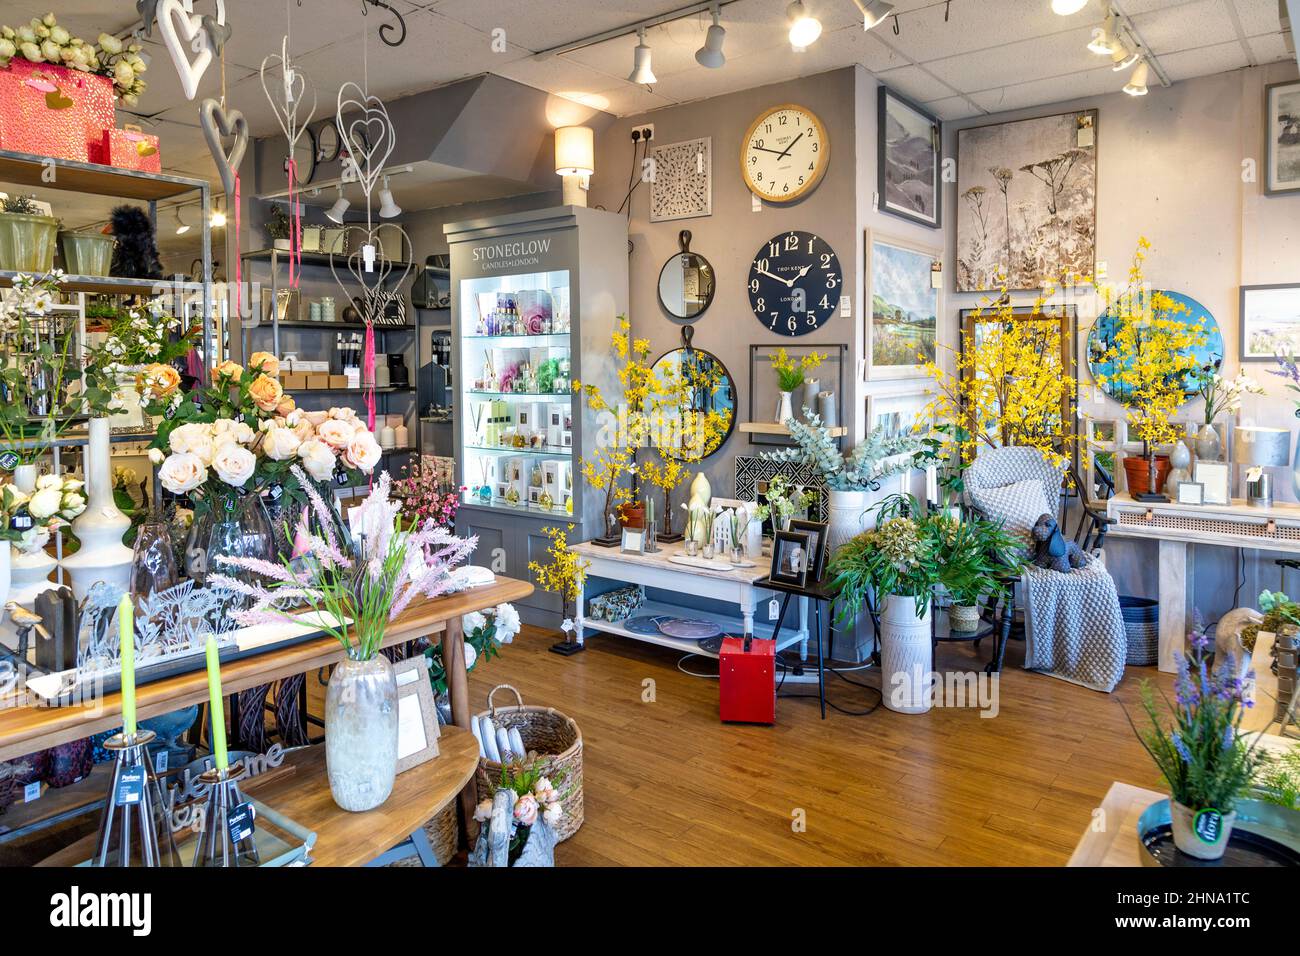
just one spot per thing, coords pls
(952, 108)
(1269, 49)
(915, 83)
(1257, 16)
(1022, 61)
(1057, 89)
(924, 36)
(541, 24)
(1196, 24)
(1134, 7)
(627, 99)
(1218, 58)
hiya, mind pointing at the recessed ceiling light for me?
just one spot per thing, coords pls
(1067, 7)
(804, 27)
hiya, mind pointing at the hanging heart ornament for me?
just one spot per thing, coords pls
(368, 136)
(377, 279)
(286, 93)
(187, 42)
(219, 123)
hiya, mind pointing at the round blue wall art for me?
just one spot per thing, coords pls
(1102, 335)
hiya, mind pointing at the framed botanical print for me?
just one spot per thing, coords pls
(1270, 321)
(1282, 138)
(898, 411)
(908, 160)
(904, 298)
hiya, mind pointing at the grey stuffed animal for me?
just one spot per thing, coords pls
(1053, 550)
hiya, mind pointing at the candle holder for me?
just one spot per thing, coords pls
(215, 846)
(135, 829)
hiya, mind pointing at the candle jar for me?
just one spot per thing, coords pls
(691, 548)
(737, 554)
(708, 552)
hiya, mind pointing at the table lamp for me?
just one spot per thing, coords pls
(1257, 448)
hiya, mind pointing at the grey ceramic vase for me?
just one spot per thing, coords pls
(1208, 444)
(361, 732)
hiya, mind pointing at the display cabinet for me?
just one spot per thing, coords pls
(535, 301)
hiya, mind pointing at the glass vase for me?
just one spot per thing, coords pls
(361, 732)
(153, 565)
(234, 526)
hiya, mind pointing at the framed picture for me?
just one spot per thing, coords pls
(287, 305)
(903, 318)
(1270, 321)
(1191, 493)
(1214, 476)
(1027, 202)
(417, 719)
(816, 531)
(633, 541)
(1282, 138)
(790, 558)
(898, 411)
(908, 160)
(682, 187)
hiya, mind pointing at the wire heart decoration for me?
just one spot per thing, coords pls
(372, 282)
(369, 137)
(289, 94)
(183, 32)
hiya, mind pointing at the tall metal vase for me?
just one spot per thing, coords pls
(102, 555)
(361, 732)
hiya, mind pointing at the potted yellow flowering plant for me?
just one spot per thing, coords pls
(565, 575)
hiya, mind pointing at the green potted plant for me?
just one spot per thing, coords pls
(279, 228)
(1197, 744)
(898, 562)
(978, 558)
(26, 236)
(87, 253)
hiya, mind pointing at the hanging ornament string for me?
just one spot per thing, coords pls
(287, 96)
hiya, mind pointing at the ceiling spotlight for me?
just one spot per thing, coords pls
(336, 211)
(1103, 37)
(873, 11)
(804, 27)
(710, 54)
(387, 208)
(1066, 7)
(1137, 81)
(1122, 57)
(641, 72)
(181, 226)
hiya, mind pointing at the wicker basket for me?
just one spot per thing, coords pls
(443, 835)
(557, 742)
(1142, 629)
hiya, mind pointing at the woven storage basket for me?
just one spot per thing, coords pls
(443, 835)
(1142, 628)
(555, 739)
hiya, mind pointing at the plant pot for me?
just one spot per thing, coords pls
(848, 517)
(1137, 471)
(87, 253)
(1197, 835)
(27, 242)
(905, 655)
(784, 408)
(361, 732)
(102, 555)
(964, 618)
(633, 516)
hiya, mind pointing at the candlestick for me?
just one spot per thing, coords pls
(126, 657)
(931, 485)
(215, 706)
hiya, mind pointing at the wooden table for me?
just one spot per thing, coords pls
(1175, 527)
(27, 729)
(344, 838)
(1111, 838)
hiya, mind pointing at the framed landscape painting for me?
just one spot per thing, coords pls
(904, 305)
(908, 160)
(1282, 138)
(1270, 322)
(1027, 202)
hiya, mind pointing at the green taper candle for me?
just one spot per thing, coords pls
(215, 705)
(126, 630)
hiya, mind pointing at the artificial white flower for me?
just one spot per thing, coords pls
(234, 464)
(317, 458)
(335, 432)
(362, 451)
(45, 503)
(552, 814)
(281, 444)
(472, 621)
(182, 472)
(156, 456)
(483, 812)
(508, 624)
(49, 481)
(194, 438)
(471, 656)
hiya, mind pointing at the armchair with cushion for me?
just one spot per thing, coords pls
(1073, 626)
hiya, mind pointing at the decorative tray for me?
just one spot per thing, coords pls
(1264, 834)
(713, 565)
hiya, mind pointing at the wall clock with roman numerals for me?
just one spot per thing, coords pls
(785, 153)
(795, 283)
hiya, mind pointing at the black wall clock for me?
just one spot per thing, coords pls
(795, 283)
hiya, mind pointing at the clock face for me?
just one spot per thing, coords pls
(795, 283)
(784, 154)
(327, 143)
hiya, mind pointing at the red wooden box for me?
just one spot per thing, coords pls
(53, 110)
(747, 681)
(128, 148)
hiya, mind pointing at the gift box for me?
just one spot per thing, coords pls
(128, 148)
(53, 111)
(747, 681)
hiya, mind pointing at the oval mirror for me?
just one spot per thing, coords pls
(699, 408)
(1102, 348)
(686, 281)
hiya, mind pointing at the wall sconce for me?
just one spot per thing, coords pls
(575, 148)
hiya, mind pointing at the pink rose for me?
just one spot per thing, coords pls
(335, 432)
(526, 810)
(316, 418)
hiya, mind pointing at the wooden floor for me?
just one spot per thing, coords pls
(668, 784)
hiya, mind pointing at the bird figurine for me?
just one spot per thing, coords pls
(25, 620)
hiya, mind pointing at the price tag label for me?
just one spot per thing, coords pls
(160, 762)
(773, 609)
(9, 461)
(277, 491)
(341, 479)
(20, 522)
(239, 822)
(130, 786)
(32, 791)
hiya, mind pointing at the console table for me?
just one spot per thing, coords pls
(1175, 527)
(735, 586)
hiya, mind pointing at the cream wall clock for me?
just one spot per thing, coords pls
(785, 153)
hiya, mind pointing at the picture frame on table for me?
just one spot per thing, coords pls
(1215, 477)
(1270, 321)
(1191, 493)
(909, 160)
(817, 532)
(904, 289)
(790, 558)
(1282, 138)
(417, 716)
(633, 541)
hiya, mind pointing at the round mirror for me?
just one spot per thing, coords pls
(686, 281)
(1101, 340)
(700, 411)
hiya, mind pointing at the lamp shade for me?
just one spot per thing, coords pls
(1137, 81)
(1257, 446)
(575, 149)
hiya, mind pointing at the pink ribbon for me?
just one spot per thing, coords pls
(295, 230)
(368, 360)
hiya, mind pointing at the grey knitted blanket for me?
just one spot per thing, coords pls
(1073, 627)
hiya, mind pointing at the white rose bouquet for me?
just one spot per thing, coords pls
(29, 519)
(42, 40)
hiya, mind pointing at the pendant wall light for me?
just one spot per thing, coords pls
(388, 209)
(710, 54)
(641, 71)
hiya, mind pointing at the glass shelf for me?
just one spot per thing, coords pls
(470, 498)
(547, 452)
(551, 395)
(563, 338)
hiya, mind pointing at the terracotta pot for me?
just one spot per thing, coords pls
(1137, 471)
(633, 516)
